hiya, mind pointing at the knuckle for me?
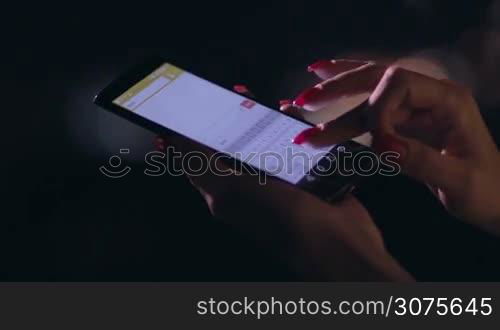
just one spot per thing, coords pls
(396, 74)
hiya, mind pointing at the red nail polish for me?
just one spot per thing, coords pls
(285, 102)
(318, 65)
(306, 96)
(159, 144)
(306, 135)
(240, 89)
(386, 143)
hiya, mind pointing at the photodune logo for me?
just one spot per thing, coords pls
(112, 169)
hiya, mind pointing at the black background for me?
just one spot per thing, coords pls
(63, 220)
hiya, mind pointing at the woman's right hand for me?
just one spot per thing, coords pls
(435, 126)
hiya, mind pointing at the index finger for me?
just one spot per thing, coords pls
(326, 69)
(346, 127)
(360, 80)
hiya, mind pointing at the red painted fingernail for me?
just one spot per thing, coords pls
(159, 144)
(318, 65)
(386, 143)
(306, 135)
(306, 96)
(285, 102)
(240, 89)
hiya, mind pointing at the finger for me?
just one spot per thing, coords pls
(346, 127)
(243, 90)
(360, 80)
(423, 162)
(326, 69)
(159, 143)
(287, 107)
(285, 104)
(424, 128)
(400, 95)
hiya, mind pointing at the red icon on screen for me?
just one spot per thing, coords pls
(247, 104)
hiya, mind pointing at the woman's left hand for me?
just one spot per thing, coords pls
(318, 240)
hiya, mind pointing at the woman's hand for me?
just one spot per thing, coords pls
(318, 240)
(435, 126)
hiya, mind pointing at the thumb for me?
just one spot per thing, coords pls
(423, 162)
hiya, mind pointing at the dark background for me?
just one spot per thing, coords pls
(63, 220)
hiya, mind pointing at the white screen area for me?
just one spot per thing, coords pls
(227, 122)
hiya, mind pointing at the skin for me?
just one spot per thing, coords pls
(319, 241)
(434, 124)
(436, 127)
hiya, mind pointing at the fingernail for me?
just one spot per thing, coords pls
(306, 96)
(305, 135)
(285, 105)
(159, 144)
(318, 65)
(160, 147)
(240, 89)
(386, 142)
